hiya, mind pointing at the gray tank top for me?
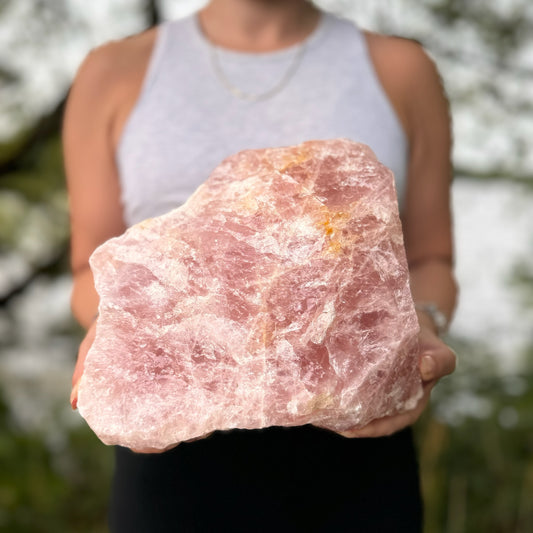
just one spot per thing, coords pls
(186, 121)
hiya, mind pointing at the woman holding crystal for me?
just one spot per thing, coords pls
(147, 119)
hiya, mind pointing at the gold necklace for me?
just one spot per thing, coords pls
(255, 97)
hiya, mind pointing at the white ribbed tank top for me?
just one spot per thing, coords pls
(186, 121)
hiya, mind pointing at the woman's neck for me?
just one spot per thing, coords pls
(258, 25)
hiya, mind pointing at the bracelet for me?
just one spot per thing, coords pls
(438, 318)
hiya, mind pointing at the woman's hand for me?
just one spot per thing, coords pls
(86, 343)
(436, 361)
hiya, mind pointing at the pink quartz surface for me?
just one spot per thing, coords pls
(278, 294)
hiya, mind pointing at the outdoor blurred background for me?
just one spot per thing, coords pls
(476, 443)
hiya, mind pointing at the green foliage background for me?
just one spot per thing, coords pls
(477, 470)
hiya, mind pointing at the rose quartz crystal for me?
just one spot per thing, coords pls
(277, 294)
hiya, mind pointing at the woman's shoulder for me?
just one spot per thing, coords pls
(405, 57)
(109, 81)
(406, 71)
(118, 61)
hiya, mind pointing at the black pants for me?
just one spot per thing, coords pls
(300, 479)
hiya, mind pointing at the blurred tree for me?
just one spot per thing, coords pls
(484, 52)
(483, 48)
(31, 159)
(153, 12)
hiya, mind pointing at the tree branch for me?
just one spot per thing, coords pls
(153, 12)
(493, 174)
(48, 266)
(47, 126)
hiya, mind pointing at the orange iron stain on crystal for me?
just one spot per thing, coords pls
(294, 159)
(332, 223)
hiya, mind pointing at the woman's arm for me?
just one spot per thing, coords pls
(414, 87)
(427, 219)
(92, 181)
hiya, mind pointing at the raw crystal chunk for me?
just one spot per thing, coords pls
(277, 294)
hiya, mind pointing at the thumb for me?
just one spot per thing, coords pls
(438, 362)
(85, 345)
(74, 395)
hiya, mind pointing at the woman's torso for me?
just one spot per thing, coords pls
(176, 120)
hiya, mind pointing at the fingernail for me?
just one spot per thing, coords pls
(74, 397)
(427, 367)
